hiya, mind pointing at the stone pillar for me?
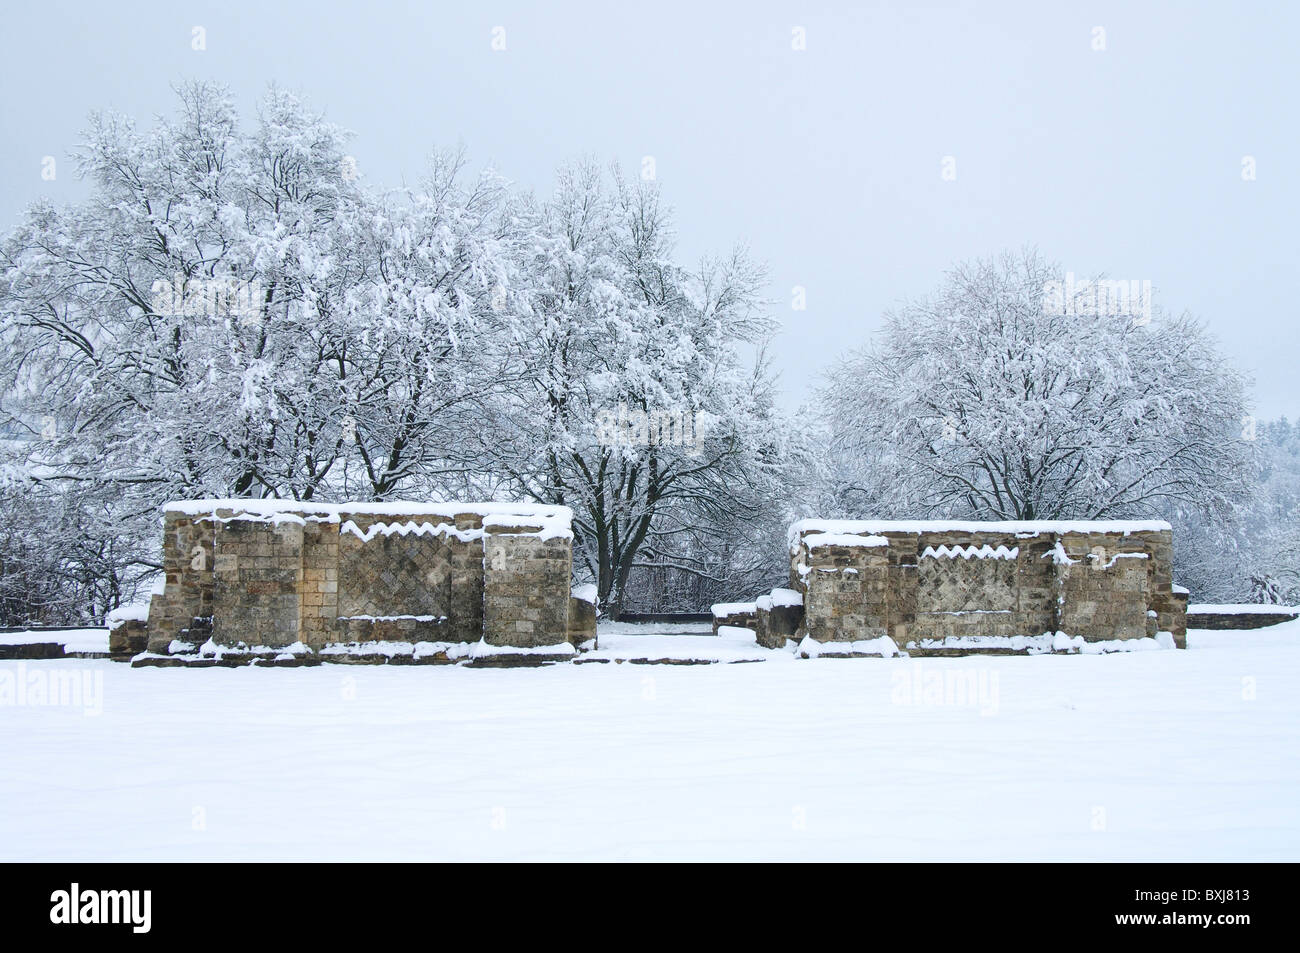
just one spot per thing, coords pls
(127, 638)
(188, 554)
(846, 590)
(319, 607)
(1104, 587)
(582, 621)
(526, 582)
(1170, 606)
(465, 599)
(259, 577)
(1177, 618)
(1037, 611)
(779, 617)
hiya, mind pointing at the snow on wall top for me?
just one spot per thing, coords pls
(1244, 608)
(124, 614)
(552, 525)
(813, 540)
(787, 597)
(332, 511)
(265, 509)
(551, 522)
(778, 597)
(868, 528)
(587, 592)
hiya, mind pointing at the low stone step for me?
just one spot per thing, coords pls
(32, 650)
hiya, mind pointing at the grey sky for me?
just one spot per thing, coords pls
(825, 161)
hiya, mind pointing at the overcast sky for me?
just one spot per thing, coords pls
(826, 161)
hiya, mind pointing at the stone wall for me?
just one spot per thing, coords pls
(919, 580)
(743, 615)
(524, 572)
(1239, 616)
(257, 573)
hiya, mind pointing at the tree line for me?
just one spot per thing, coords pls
(235, 312)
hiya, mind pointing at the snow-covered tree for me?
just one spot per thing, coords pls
(638, 405)
(232, 313)
(991, 400)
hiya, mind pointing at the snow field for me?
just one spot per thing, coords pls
(1135, 756)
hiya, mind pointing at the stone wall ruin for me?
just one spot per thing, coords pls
(950, 584)
(266, 574)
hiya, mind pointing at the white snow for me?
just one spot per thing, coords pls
(453, 650)
(970, 552)
(72, 640)
(1022, 528)
(1187, 755)
(261, 507)
(657, 628)
(392, 618)
(1247, 608)
(787, 597)
(552, 521)
(1059, 556)
(481, 649)
(723, 609)
(264, 508)
(587, 592)
(123, 614)
(1110, 564)
(731, 644)
(883, 646)
(815, 540)
(409, 528)
(547, 527)
(1046, 642)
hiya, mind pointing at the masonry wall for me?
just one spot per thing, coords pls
(270, 573)
(912, 581)
(187, 558)
(522, 572)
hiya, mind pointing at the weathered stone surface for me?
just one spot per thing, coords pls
(261, 573)
(776, 624)
(32, 650)
(521, 573)
(1236, 620)
(731, 615)
(188, 563)
(1100, 583)
(582, 621)
(128, 638)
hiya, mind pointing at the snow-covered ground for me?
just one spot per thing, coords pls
(72, 640)
(1241, 608)
(623, 641)
(1139, 756)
